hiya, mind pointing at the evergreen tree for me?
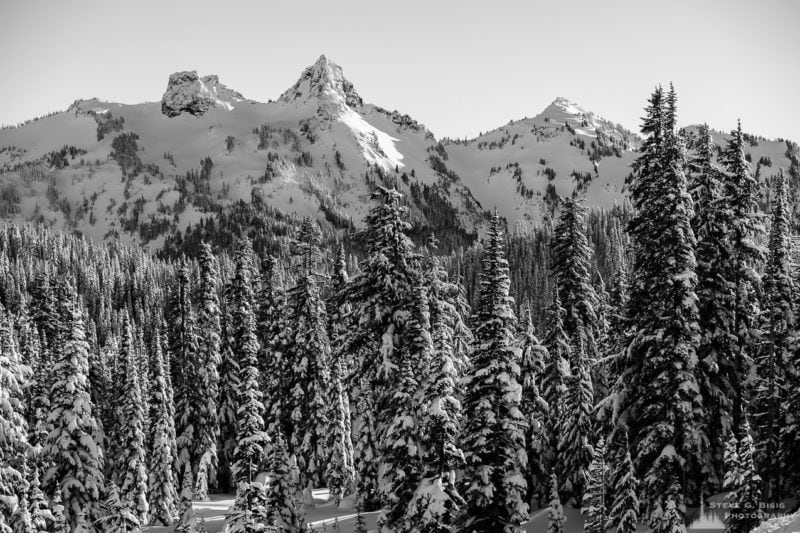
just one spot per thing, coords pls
(161, 488)
(571, 257)
(555, 513)
(575, 425)
(366, 450)
(186, 517)
(13, 427)
(132, 461)
(76, 470)
(624, 512)
(285, 511)
(436, 501)
(594, 499)
(494, 434)
(554, 378)
(716, 300)
(183, 349)
(740, 194)
(227, 402)
(743, 484)
(534, 408)
(118, 515)
(400, 467)
(251, 440)
(339, 473)
(656, 394)
(779, 325)
(249, 513)
(42, 518)
(208, 360)
(309, 357)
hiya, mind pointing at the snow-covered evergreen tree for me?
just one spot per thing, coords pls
(251, 439)
(118, 515)
(42, 519)
(186, 371)
(162, 492)
(250, 511)
(744, 231)
(743, 484)
(366, 450)
(656, 395)
(571, 257)
(436, 501)
(715, 300)
(594, 499)
(208, 360)
(779, 323)
(76, 468)
(494, 434)
(227, 402)
(554, 378)
(555, 512)
(575, 426)
(285, 511)
(132, 460)
(400, 466)
(340, 472)
(13, 426)
(309, 359)
(534, 407)
(623, 515)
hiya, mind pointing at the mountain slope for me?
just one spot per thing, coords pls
(139, 173)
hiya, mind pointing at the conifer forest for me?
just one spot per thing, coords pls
(610, 370)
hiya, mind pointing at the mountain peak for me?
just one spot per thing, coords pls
(188, 92)
(323, 81)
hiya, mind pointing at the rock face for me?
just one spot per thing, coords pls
(187, 92)
(324, 83)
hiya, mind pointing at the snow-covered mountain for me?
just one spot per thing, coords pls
(138, 172)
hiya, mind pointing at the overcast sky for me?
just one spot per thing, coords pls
(460, 67)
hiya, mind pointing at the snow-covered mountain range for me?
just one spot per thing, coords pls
(138, 172)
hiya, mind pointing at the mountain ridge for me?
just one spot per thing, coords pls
(140, 172)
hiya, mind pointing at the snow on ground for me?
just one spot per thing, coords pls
(323, 515)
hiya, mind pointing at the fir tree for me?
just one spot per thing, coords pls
(571, 256)
(715, 299)
(339, 473)
(309, 359)
(400, 467)
(779, 324)
(594, 499)
(251, 440)
(227, 402)
(436, 501)
(42, 518)
(555, 513)
(208, 356)
(744, 230)
(13, 426)
(554, 378)
(250, 509)
(494, 434)
(624, 512)
(534, 407)
(285, 511)
(76, 471)
(366, 450)
(656, 394)
(161, 488)
(132, 461)
(575, 426)
(744, 485)
(183, 349)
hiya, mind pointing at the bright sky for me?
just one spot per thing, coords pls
(459, 67)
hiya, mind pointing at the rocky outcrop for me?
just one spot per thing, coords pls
(325, 83)
(188, 93)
